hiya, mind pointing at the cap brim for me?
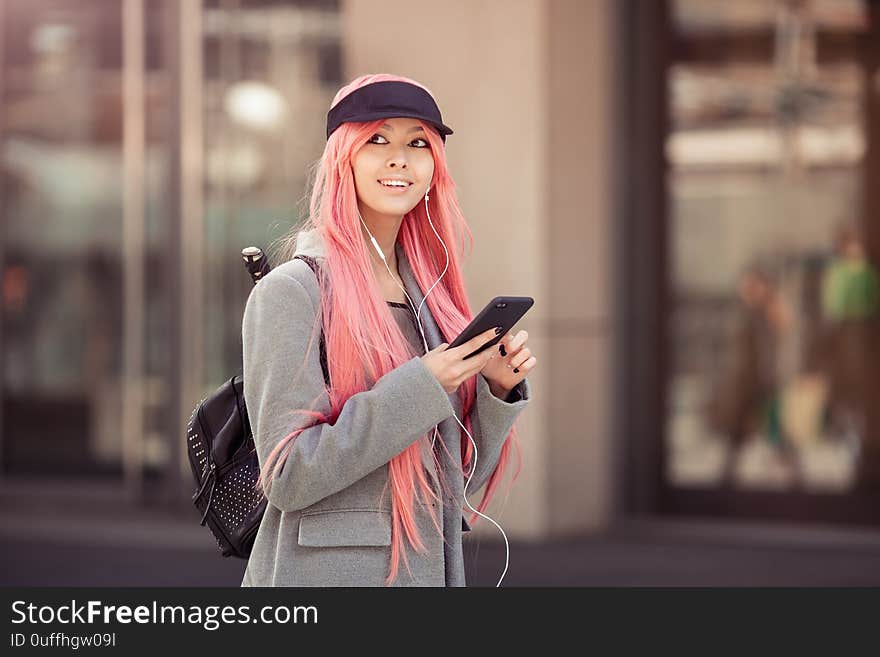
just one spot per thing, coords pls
(372, 116)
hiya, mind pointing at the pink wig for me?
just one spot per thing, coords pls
(365, 342)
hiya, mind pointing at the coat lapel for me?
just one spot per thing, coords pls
(448, 429)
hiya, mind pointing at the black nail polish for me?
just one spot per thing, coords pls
(498, 330)
(501, 348)
(516, 370)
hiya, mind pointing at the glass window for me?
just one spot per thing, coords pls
(61, 150)
(270, 71)
(772, 290)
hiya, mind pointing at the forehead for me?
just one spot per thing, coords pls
(401, 124)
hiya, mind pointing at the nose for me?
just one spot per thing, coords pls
(397, 159)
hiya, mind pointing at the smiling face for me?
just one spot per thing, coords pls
(393, 170)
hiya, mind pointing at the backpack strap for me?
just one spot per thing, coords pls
(313, 265)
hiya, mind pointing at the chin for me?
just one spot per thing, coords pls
(395, 209)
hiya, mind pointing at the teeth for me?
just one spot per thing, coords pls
(389, 183)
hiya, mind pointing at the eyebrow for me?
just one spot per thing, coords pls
(415, 129)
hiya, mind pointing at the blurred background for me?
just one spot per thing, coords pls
(690, 190)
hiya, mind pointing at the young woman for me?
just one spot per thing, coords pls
(368, 474)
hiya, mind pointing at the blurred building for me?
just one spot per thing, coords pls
(688, 189)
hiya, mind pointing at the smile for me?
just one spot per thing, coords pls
(394, 185)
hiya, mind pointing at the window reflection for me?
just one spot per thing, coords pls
(772, 287)
(270, 70)
(60, 155)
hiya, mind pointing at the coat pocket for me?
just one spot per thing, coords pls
(340, 527)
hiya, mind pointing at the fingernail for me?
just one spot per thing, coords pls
(516, 369)
(501, 348)
(498, 330)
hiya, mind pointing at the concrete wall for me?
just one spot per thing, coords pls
(522, 83)
(578, 198)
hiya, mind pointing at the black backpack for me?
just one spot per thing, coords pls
(222, 453)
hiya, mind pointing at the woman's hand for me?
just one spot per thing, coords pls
(450, 365)
(509, 369)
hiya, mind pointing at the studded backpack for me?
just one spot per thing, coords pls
(222, 454)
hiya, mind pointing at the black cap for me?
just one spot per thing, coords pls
(380, 100)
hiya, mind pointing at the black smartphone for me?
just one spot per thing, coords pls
(500, 311)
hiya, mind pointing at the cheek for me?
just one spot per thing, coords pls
(426, 170)
(359, 168)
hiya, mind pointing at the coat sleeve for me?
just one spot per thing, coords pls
(281, 374)
(491, 420)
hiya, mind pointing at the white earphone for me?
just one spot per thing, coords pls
(425, 342)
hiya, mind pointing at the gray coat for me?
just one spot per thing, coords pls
(327, 522)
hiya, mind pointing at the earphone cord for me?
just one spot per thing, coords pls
(425, 343)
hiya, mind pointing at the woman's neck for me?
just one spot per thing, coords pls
(384, 229)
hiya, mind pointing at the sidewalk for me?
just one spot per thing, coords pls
(46, 543)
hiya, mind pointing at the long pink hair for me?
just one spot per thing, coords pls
(365, 342)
